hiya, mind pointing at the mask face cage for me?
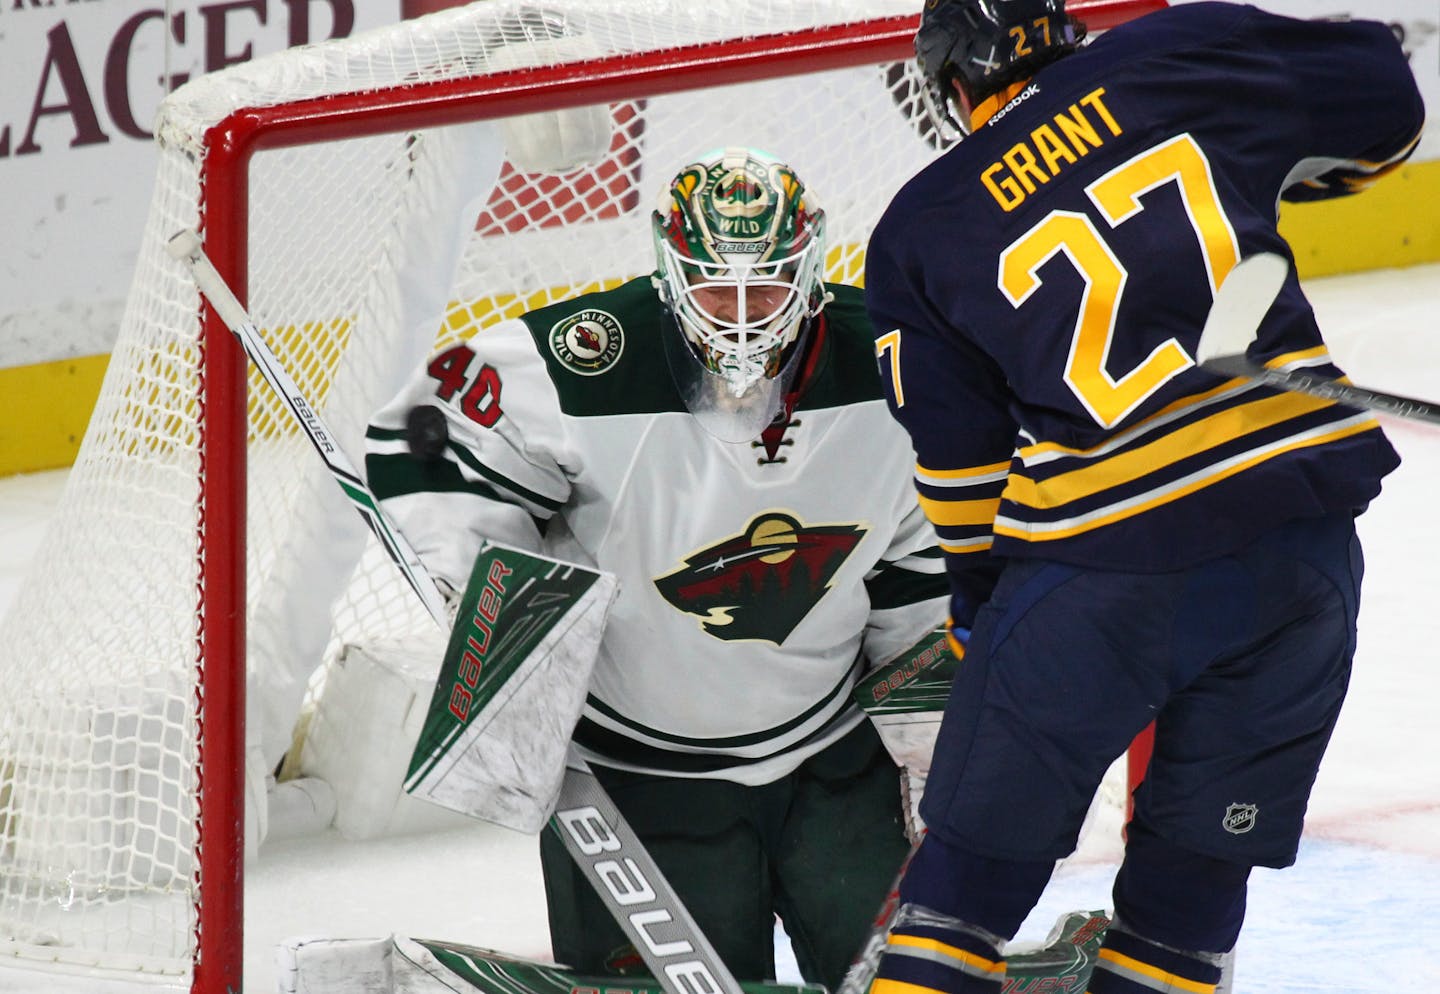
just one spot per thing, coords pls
(711, 398)
(740, 254)
(738, 316)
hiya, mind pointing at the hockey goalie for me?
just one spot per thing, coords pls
(714, 436)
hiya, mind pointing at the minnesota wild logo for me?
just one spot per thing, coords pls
(742, 200)
(760, 584)
(587, 342)
(738, 194)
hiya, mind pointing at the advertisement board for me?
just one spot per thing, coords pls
(80, 81)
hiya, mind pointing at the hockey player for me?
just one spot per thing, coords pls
(717, 437)
(1175, 546)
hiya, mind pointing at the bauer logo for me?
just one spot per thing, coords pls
(588, 342)
(638, 904)
(759, 247)
(1239, 818)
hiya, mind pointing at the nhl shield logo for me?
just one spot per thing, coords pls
(1239, 818)
(587, 342)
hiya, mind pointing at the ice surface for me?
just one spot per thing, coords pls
(1358, 912)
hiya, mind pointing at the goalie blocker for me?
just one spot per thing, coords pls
(511, 688)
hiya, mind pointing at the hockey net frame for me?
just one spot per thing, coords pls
(125, 717)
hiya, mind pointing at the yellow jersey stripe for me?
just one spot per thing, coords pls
(1042, 452)
(1045, 532)
(1032, 454)
(1208, 433)
(1317, 356)
(1393, 160)
(980, 544)
(956, 646)
(961, 477)
(952, 513)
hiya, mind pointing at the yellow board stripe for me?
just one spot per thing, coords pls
(48, 407)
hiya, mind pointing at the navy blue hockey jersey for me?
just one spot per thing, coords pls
(1039, 290)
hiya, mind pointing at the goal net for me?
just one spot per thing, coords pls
(371, 200)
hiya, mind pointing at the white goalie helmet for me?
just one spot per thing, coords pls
(740, 246)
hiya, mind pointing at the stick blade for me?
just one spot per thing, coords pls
(1241, 304)
(184, 244)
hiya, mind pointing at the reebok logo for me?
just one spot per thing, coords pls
(1020, 98)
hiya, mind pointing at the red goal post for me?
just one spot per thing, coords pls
(198, 539)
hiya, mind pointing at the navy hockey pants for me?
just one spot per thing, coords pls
(1243, 662)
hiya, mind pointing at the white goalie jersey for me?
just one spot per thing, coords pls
(758, 580)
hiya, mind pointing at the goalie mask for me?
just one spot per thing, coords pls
(740, 247)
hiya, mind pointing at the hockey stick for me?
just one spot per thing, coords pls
(186, 247)
(1241, 305)
(594, 831)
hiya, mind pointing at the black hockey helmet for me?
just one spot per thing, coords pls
(986, 45)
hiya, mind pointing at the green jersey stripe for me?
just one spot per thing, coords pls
(500, 480)
(897, 587)
(839, 690)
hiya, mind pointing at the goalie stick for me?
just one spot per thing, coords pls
(1241, 305)
(185, 246)
(594, 832)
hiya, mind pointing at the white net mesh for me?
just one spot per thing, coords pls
(364, 254)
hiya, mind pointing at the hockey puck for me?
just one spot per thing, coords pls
(426, 432)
